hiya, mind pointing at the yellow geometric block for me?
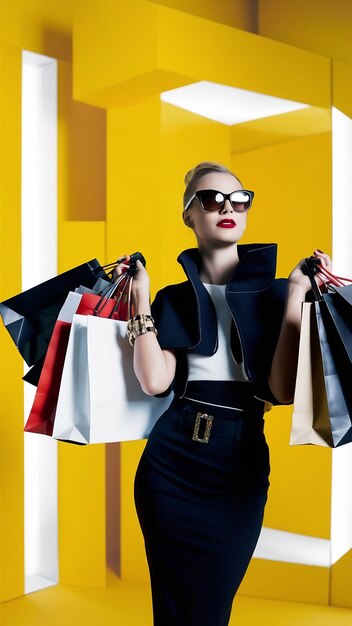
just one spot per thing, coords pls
(81, 155)
(341, 581)
(79, 242)
(282, 128)
(286, 581)
(342, 86)
(125, 51)
(82, 532)
(237, 13)
(322, 27)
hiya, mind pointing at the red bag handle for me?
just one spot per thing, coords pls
(332, 278)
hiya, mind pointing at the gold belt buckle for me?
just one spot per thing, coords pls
(208, 425)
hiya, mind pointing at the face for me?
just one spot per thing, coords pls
(221, 227)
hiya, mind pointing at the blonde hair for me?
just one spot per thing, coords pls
(196, 173)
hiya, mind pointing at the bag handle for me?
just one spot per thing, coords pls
(127, 283)
(126, 278)
(108, 292)
(333, 278)
(132, 269)
(310, 268)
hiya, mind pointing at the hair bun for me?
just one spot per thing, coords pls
(189, 176)
(209, 166)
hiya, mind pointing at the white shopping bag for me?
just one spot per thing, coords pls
(100, 398)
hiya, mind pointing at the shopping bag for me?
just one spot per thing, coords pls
(30, 316)
(98, 287)
(34, 373)
(100, 398)
(337, 388)
(337, 314)
(323, 395)
(310, 417)
(42, 414)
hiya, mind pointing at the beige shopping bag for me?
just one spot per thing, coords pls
(310, 419)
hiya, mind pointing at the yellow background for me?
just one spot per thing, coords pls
(122, 155)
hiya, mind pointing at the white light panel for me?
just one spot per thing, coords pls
(39, 262)
(341, 492)
(227, 105)
(279, 545)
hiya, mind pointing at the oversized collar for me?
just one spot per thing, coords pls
(254, 271)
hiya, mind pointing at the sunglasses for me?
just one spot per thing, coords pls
(212, 200)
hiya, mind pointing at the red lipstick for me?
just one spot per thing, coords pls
(226, 223)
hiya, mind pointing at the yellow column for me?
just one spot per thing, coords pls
(81, 227)
(11, 364)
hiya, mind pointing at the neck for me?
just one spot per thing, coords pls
(218, 264)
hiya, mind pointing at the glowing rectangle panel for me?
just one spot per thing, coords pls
(39, 262)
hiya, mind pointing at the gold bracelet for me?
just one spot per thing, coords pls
(140, 325)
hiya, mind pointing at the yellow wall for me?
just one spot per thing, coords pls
(38, 26)
(318, 25)
(82, 154)
(237, 13)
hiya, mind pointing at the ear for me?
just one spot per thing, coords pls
(187, 219)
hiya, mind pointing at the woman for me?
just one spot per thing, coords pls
(227, 342)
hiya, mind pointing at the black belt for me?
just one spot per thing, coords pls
(204, 425)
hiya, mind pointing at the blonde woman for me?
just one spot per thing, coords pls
(226, 341)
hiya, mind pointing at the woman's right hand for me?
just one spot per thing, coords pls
(140, 283)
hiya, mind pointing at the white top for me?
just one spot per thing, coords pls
(221, 365)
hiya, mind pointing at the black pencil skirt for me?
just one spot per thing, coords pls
(200, 506)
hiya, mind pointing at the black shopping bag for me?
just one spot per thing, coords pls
(30, 316)
(337, 313)
(338, 388)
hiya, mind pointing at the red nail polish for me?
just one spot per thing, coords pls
(320, 251)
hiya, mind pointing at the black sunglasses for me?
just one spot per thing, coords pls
(212, 200)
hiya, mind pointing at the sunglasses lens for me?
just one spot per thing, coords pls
(240, 200)
(211, 200)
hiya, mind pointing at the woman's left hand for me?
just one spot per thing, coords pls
(298, 278)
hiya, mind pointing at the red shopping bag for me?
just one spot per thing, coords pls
(42, 415)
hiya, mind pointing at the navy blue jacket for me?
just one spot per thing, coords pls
(186, 319)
